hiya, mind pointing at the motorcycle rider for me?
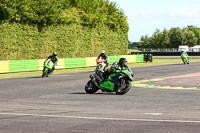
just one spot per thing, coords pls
(185, 53)
(104, 57)
(54, 59)
(121, 65)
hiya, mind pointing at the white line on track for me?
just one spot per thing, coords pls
(58, 75)
(100, 118)
(153, 114)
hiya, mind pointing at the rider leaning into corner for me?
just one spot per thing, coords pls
(54, 59)
(121, 65)
(104, 57)
(184, 53)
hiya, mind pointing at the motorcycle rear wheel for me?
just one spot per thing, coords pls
(90, 87)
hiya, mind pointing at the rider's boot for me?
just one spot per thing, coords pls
(43, 73)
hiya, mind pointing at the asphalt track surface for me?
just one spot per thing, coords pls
(59, 104)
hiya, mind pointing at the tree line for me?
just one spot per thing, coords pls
(52, 12)
(171, 38)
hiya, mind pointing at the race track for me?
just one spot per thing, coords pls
(59, 104)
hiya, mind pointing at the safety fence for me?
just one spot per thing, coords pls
(34, 65)
(167, 53)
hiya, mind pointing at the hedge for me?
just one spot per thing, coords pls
(22, 42)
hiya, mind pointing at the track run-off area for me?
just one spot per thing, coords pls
(163, 99)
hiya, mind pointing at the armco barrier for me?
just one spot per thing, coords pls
(140, 58)
(75, 62)
(91, 61)
(33, 65)
(4, 66)
(41, 64)
(23, 65)
(113, 59)
(130, 58)
(60, 65)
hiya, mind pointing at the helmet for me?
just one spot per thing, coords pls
(54, 54)
(114, 65)
(103, 52)
(122, 62)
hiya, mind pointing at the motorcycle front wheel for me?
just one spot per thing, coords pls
(44, 73)
(90, 87)
(122, 86)
(184, 62)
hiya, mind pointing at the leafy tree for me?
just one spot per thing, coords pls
(196, 31)
(172, 39)
(51, 12)
(158, 40)
(155, 40)
(176, 37)
(189, 38)
(165, 39)
(145, 40)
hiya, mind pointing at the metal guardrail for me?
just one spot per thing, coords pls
(167, 53)
(167, 49)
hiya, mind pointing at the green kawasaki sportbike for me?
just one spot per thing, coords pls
(118, 81)
(185, 59)
(48, 66)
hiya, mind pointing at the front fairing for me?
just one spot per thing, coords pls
(108, 85)
(125, 72)
(49, 64)
(101, 66)
(128, 73)
(184, 57)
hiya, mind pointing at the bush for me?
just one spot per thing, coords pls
(25, 42)
(32, 29)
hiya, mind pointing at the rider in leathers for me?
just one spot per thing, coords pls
(121, 65)
(185, 53)
(104, 57)
(54, 59)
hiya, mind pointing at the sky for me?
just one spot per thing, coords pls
(145, 16)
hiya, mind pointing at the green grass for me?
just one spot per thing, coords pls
(132, 65)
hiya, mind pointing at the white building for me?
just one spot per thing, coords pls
(195, 48)
(183, 48)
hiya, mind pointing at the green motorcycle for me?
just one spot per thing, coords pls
(185, 59)
(48, 66)
(119, 81)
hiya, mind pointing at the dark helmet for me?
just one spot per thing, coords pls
(122, 62)
(54, 54)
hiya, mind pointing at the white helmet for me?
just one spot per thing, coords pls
(54, 53)
(103, 52)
